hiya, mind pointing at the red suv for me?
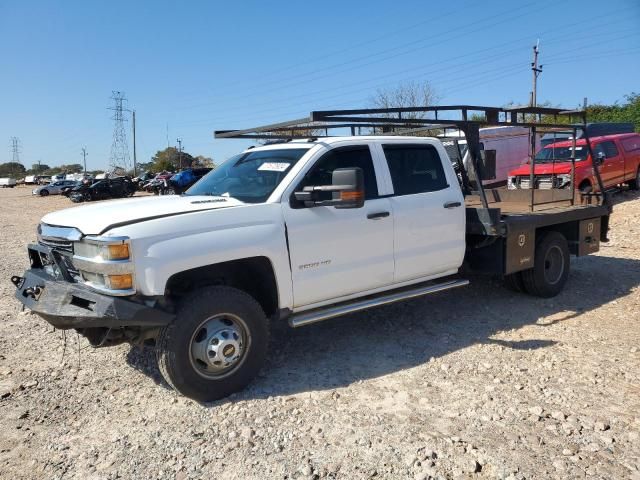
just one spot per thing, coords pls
(618, 157)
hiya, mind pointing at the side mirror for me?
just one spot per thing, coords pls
(601, 157)
(346, 190)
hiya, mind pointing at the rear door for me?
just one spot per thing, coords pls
(428, 210)
(612, 169)
(337, 252)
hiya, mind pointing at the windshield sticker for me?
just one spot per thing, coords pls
(274, 166)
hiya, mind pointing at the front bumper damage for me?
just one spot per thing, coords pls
(66, 304)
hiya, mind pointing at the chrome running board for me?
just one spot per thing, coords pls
(324, 313)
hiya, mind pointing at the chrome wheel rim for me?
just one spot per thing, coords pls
(553, 265)
(218, 346)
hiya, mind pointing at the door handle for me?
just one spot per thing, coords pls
(377, 215)
(452, 204)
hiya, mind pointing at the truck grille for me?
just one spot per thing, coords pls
(542, 182)
(61, 245)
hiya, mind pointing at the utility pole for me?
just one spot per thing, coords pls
(179, 140)
(537, 70)
(84, 159)
(135, 164)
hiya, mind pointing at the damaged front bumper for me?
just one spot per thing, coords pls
(65, 304)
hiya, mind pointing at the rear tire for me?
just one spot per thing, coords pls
(551, 267)
(635, 183)
(514, 282)
(216, 344)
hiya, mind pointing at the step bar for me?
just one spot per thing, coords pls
(317, 315)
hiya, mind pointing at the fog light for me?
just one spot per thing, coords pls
(120, 282)
(118, 251)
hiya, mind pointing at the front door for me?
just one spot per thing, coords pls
(338, 252)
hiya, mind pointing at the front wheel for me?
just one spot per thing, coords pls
(44, 193)
(216, 344)
(551, 267)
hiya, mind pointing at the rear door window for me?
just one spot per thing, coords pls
(415, 168)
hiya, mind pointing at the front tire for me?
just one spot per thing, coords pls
(44, 193)
(551, 267)
(216, 344)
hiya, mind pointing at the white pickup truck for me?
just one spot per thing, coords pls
(303, 230)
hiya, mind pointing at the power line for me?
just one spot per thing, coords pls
(119, 149)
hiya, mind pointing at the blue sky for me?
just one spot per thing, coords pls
(201, 66)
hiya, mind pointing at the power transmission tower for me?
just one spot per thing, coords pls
(15, 152)
(119, 148)
(84, 159)
(537, 70)
(15, 149)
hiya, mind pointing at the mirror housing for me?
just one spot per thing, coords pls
(346, 189)
(601, 157)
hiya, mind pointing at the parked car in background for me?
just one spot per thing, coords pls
(43, 179)
(30, 179)
(117, 187)
(181, 181)
(141, 179)
(7, 182)
(159, 185)
(53, 188)
(68, 189)
(618, 157)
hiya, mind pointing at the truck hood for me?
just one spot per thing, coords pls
(543, 169)
(97, 218)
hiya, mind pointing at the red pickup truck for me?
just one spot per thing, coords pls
(618, 157)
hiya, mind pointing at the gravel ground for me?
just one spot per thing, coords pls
(478, 382)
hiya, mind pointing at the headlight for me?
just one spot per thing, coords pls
(564, 179)
(105, 264)
(101, 251)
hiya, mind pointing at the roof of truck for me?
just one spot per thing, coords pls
(311, 142)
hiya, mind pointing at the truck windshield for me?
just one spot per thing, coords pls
(249, 177)
(562, 154)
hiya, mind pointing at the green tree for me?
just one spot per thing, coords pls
(171, 159)
(626, 111)
(39, 167)
(12, 169)
(202, 161)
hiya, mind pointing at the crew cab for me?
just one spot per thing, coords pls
(618, 157)
(304, 231)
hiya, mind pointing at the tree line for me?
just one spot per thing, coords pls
(169, 159)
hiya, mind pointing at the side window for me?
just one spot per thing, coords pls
(415, 169)
(345, 157)
(610, 149)
(631, 144)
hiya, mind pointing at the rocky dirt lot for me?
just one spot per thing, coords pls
(473, 383)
